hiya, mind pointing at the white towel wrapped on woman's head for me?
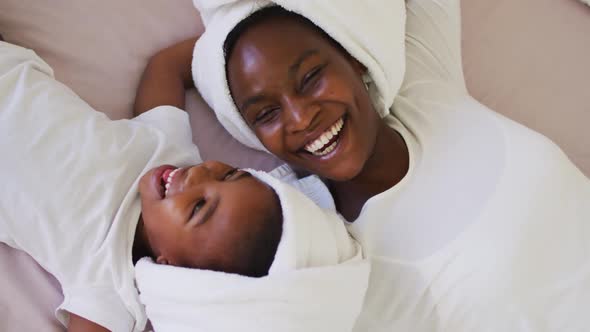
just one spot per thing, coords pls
(361, 35)
(317, 281)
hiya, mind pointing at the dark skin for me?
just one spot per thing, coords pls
(163, 83)
(291, 84)
(206, 211)
(368, 173)
(302, 84)
(198, 221)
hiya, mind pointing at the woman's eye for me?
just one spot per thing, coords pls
(310, 77)
(266, 115)
(198, 206)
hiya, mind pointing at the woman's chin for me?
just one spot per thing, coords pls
(339, 172)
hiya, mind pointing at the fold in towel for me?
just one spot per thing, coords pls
(361, 35)
(317, 281)
(312, 236)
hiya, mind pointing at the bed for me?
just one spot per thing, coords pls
(526, 59)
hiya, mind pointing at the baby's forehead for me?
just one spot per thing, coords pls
(256, 194)
(271, 197)
(262, 187)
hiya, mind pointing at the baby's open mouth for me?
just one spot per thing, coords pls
(327, 141)
(167, 178)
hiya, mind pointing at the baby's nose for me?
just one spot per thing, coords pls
(215, 168)
(198, 174)
(211, 164)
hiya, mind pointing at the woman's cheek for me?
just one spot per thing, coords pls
(328, 86)
(270, 136)
(324, 90)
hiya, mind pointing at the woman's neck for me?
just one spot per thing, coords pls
(387, 165)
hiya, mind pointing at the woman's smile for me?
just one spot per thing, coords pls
(321, 116)
(331, 143)
(327, 141)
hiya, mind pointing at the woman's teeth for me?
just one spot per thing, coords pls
(326, 142)
(168, 181)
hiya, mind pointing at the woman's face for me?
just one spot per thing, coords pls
(303, 97)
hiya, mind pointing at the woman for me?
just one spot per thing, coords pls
(472, 222)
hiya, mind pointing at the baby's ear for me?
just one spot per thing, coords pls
(162, 260)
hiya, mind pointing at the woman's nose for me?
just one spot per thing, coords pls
(300, 116)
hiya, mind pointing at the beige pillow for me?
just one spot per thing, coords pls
(529, 60)
(99, 48)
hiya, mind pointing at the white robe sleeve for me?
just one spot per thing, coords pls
(433, 46)
(13, 56)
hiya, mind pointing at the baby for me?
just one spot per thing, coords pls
(89, 197)
(209, 216)
(316, 280)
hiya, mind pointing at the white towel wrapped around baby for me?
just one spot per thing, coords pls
(317, 281)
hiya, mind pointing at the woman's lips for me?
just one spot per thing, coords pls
(332, 147)
(327, 140)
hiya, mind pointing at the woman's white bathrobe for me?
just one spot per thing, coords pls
(490, 228)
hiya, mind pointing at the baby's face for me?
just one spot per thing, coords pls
(197, 216)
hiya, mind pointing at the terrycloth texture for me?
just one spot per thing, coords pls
(361, 35)
(311, 186)
(317, 281)
(312, 237)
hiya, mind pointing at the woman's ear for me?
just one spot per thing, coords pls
(162, 260)
(358, 67)
(361, 71)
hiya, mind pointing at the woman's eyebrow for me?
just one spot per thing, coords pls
(251, 101)
(295, 66)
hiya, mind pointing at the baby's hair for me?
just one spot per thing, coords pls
(257, 251)
(266, 13)
(253, 253)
